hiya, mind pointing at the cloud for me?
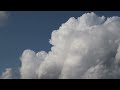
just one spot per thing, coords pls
(87, 47)
(7, 74)
(30, 63)
(3, 17)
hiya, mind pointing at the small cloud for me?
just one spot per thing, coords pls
(3, 17)
(7, 74)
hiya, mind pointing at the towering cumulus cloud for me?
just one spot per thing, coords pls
(86, 47)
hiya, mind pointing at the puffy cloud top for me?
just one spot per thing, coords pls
(84, 47)
(30, 63)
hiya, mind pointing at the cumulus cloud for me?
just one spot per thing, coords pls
(30, 63)
(7, 74)
(87, 47)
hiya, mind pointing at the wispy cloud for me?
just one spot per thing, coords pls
(7, 74)
(3, 17)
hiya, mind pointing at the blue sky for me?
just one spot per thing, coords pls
(32, 30)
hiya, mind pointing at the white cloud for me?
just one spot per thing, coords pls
(7, 74)
(30, 63)
(86, 47)
(83, 48)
